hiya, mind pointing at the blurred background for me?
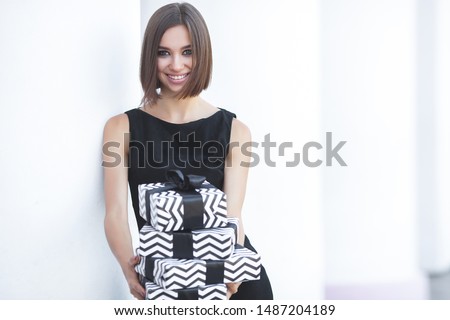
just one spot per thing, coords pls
(373, 73)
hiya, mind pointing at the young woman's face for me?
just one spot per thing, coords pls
(174, 59)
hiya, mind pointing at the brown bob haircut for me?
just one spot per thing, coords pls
(166, 17)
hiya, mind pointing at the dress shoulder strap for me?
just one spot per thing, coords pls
(229, 115)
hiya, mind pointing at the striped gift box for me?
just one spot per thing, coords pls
(169, 209)
(206, 244)
(174, 274)
(211, 292)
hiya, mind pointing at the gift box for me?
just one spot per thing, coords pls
(207, 244)
(190, 204)
(173, 274)
(211, 292)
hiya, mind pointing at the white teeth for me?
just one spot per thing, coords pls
(177, 77)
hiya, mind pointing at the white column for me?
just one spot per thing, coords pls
(66, 67)
(443, 133)
(266, 57)
(368, 91)
(434, 134)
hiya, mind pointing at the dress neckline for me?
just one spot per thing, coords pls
(180, 124)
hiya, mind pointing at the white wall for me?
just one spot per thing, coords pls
(66, 67)
(266, 71)
(443, 134)
(368, 92)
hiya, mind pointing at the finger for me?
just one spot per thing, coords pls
(138, 292)
(232, 287)
(139, 289)
(142, 291)
(137, 295)
(230, 291)
(134, 261)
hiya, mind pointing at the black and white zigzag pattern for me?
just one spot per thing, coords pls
(173, 274)
(167, 208)
(208, 244)
(154, 243)
(167, 211)
(215, 203)
(211, 292)
(140, 269)
(243, 265)
(142, 188)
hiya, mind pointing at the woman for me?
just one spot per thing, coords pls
(175, 129)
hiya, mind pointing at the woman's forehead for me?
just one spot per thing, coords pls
(176, 37)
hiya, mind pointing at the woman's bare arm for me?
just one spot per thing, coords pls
(235, 181)
(116, 200)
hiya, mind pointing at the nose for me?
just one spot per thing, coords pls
(177, 63)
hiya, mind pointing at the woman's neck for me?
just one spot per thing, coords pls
(176, 110)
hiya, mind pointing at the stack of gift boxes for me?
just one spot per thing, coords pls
(188, 247)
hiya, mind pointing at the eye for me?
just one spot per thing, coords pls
(163, 53)
(187, 52)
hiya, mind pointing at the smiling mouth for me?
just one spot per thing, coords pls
(178, 77)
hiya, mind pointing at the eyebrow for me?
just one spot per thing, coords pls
(165, 48)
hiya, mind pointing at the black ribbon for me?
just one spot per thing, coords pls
(215, 271)
(149, 268)
(184, 182)
(193, 209)
(192, 200)
(188, 294)
(183, 245)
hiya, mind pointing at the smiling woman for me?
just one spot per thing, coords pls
(177, 129)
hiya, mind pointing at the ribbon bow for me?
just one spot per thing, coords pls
(184, 182)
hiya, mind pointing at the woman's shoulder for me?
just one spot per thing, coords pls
(240, 131)
(117, 124)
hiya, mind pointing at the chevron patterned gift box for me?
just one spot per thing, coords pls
(206, 244)
(173, 274)
(211, 292)
(171, 209)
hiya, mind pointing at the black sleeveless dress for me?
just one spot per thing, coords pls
(198, 147)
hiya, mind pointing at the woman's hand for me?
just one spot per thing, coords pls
(135, 286)
(232, 288)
